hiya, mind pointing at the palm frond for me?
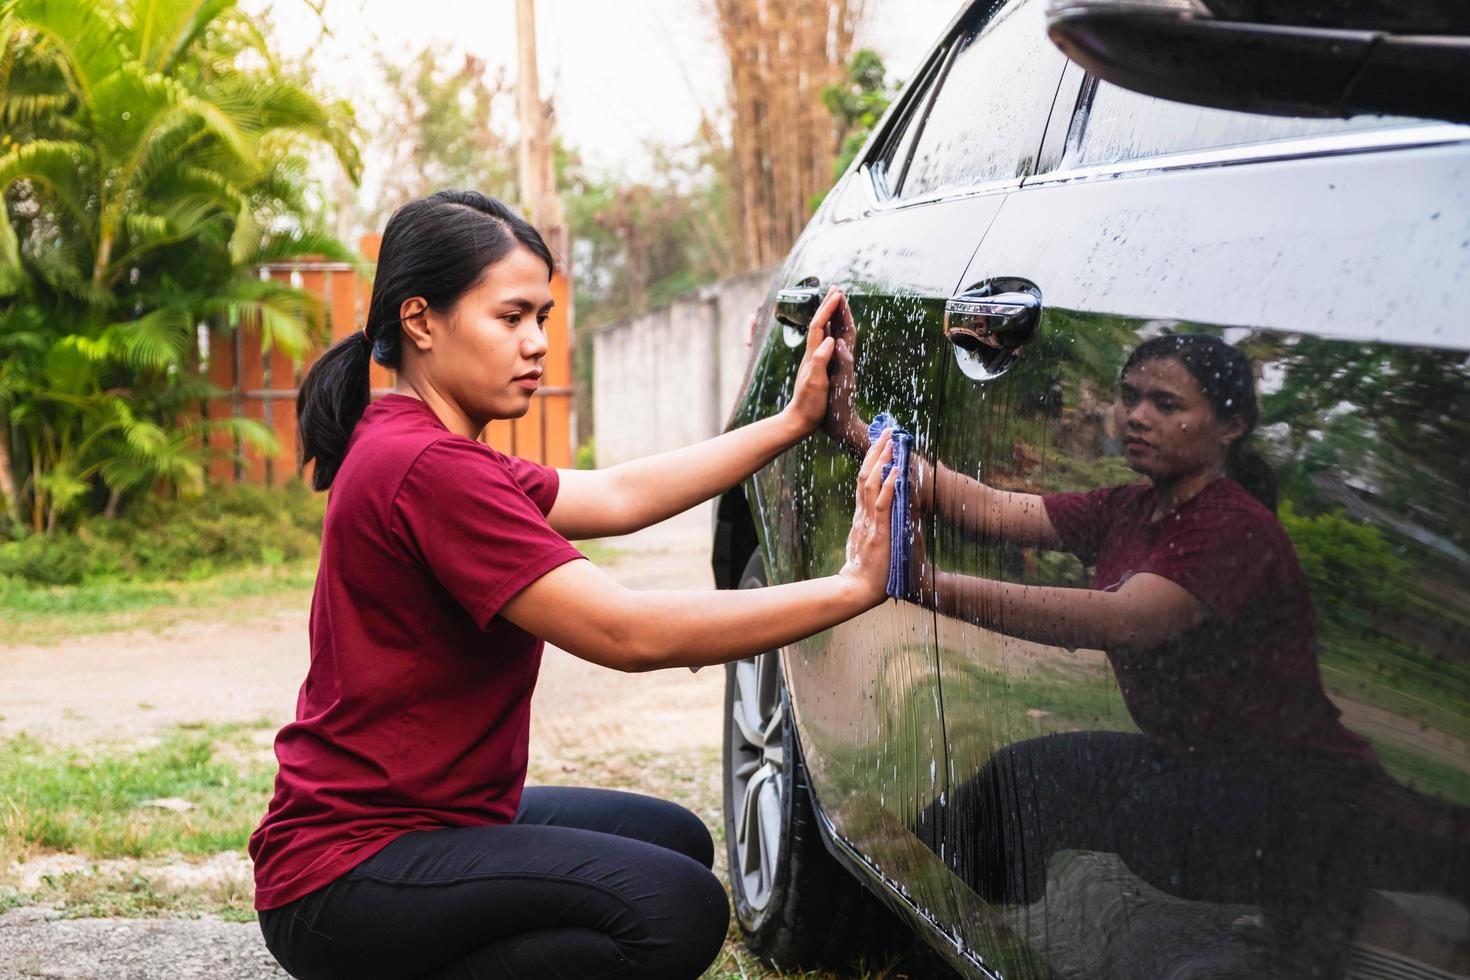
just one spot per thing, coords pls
(55, 165)
(301, 244)
(282, 314)
(155, 341)
(19, 108)
(163, 30)
(87, 39)
(164, 147)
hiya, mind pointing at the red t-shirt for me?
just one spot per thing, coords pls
(415, 712)
(1245, 680)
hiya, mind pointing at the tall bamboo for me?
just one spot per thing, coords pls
(781, 53)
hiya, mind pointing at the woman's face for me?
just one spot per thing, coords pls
(1167, 426)
(488, 352)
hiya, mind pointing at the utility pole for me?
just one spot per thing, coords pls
(561, 397)
(539, 199)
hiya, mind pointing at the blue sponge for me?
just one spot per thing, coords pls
(900, 569)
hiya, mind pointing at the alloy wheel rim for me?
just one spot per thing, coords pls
(757, 774)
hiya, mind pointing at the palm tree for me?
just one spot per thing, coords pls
(151, 156)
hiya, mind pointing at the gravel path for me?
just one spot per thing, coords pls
(36, 943)
(126, 686)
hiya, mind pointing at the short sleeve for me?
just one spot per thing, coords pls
(1082, 520)
(1222, 557)
(465, 513)
(538, 482)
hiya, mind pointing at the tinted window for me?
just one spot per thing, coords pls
(1122, 125)
(986, 120)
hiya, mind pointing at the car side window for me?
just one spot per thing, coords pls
(888, 162)
(1121, 125)
(986, 120)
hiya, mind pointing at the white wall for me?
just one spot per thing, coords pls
(669, 377)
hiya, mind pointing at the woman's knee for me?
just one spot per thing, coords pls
(688, 835)
(689, 926)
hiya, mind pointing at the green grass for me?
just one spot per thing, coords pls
(91, 803)
(1424, 774)
(133, 894)
(52, 614)
(46, 615)
(87, 803)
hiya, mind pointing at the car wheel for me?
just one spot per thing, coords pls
(795, 905)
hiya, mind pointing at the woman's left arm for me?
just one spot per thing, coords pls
(640, 492)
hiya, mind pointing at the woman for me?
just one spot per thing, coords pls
(399, 841)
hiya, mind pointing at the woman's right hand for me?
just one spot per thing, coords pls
(870, 540)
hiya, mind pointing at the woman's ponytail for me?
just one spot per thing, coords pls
(1245, 466)
(436, 249)
(333, 396)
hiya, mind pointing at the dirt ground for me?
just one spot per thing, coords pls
(246, 667)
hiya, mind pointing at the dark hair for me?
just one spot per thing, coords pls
(1228, 380)
(437, 247)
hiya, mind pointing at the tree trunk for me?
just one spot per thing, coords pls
(7, 475)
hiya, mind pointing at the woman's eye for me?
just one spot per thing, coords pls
(512, 318)
(541, 321)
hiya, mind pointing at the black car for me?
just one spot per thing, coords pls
(1014, 231)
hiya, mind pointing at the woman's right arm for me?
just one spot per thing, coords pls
(581, 609)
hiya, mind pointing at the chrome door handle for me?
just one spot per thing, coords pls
(988, 331)
(796, 305)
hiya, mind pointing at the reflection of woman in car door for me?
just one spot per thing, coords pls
(1198, 596)
(1244, 786)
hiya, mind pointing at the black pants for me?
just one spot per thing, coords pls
(586, 883)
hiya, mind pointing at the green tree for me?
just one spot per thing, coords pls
(857, 104)
(152, 156)
(444, 127)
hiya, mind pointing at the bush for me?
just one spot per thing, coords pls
(587, 455)
(1353, 572)
(157, 538)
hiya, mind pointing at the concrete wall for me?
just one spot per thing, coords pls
(669, 377)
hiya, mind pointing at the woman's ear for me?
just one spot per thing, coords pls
(1232, 431)
(415, 322)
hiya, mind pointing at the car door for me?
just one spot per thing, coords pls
(1337, 256)
(896, 236)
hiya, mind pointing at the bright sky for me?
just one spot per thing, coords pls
(622, 72)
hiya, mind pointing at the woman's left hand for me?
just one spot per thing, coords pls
(808, 405)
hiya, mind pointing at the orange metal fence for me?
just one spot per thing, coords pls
(264, 387)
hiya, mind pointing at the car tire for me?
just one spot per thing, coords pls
(796, 907)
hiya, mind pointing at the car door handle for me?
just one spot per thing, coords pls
(988, 330)
(796, 305)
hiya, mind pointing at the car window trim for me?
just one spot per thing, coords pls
(880, 197)
(914, 109)
(1072, 88)
(1290, 148)
(952, 48)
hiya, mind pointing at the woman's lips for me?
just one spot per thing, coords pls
(530, 383)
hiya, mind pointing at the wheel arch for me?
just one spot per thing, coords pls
(735, 537)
